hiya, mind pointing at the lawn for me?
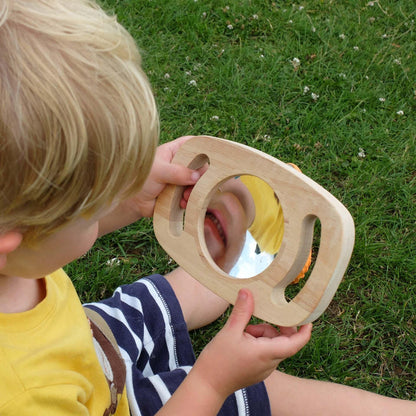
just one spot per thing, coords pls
(330, 86)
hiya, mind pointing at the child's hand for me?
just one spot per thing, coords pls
(164, 172)
(242, 355)
(188, 189)
(185, 197)
(143, 203)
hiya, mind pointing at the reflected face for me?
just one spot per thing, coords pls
(229, 214)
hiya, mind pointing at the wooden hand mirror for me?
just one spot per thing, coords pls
(250, 202)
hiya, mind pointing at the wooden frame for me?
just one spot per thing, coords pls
(302, 200)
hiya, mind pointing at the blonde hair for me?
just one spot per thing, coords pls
(78, 121)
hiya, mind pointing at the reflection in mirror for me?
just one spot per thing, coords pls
(292, 290)
(243, 226)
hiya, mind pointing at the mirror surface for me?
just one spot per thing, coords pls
(243, 226)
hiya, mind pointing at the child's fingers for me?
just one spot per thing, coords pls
(168, 150)
(185, 197)
(175, 144)
(262, 330)
(286, 346)
(187, 192)
(183, 203)
(168, 172)
(178, 174)
(287, 330)
(242, 311)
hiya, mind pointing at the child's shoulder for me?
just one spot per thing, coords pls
(47, 352)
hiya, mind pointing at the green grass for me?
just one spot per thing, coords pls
(357, 139)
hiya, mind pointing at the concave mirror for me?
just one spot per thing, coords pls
(243, 226)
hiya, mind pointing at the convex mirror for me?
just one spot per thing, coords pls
(249, 222)
(243, 226)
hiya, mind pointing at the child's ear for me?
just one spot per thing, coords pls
(9, 242)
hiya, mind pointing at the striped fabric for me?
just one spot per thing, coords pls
(147, 322)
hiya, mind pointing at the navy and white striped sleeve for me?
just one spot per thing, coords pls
(147, 322)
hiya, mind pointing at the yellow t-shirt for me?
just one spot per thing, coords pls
(48, 364)
(268, 225)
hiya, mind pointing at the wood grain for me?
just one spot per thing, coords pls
(303, 201)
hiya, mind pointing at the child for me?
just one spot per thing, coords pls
(79, 129)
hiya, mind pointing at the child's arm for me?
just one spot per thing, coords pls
(163, 172)
(293, 396)
(237, 357)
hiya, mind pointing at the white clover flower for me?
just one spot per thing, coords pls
(295, 62)
(342, 75)
(397, 62)
(361, 153)
(188, 72)
(204, 15)
(370, 4)
(306, 89)
(192, 82)
(342, 36)
(314, 96)
(301, 7)
(215, 118)
(382, 99)
(255, 16)
(400, 113)
(266, 138)
(356, 48)
(313, 29)
(113, 262)
(166, 89)
(385, 36)
(166, 76)
(261, 56)
(230, 27)
(290, 21)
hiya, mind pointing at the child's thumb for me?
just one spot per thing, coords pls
(178, 175)
(242, 311)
